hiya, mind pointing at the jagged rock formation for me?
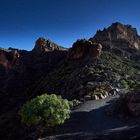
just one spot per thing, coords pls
(44, 45)
(119, 32)
(121, 39)
(84, 48)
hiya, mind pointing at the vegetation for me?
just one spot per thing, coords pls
(124, 84)
(47, 110)
(75, 103)
(75, 80)
(84, 43)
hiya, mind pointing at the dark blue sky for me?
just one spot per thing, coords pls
(62, 21)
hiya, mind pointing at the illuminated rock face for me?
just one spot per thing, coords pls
(84, 48)
(116, 33)
(44, 45)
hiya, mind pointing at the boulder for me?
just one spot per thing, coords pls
(100, 96)
(106, 93)
(113, 92)
(133, 103)
(134, 108)
(95, 97)
(135, 98)
(105, 96)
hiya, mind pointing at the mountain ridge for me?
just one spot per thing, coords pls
(119, 31)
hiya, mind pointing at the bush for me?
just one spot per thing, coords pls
(75, 102)
(48, 110)
(124, 84)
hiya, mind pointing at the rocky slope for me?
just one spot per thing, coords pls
(19, 69)
(111, 57)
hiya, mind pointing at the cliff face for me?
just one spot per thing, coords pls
(19, 69)
(84, 48)
(117, 33)
(8, 58)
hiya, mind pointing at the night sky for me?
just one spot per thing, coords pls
(61, 21)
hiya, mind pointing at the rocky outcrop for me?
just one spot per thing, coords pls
(133, 103)
(118, 36)
(129, 104)
(84, 48)
(44, 45)
(102, 95)
(8, 57)
(19, 69)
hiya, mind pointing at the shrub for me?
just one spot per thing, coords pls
(76, 102)
(117, 77)
(100, 90)
(101, 66)
(48, 110)
(124, 84)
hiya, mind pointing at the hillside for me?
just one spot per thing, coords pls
(111, 57)
(74, 80)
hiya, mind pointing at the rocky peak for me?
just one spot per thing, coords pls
(118, 32)
(44, 45)
(84, 48)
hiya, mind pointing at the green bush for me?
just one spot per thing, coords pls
(124, 84)
(76, 102)
(48, 110)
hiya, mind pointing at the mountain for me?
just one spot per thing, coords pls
(120, 33)
(19, 69)
(120, 39)
(111, 57)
